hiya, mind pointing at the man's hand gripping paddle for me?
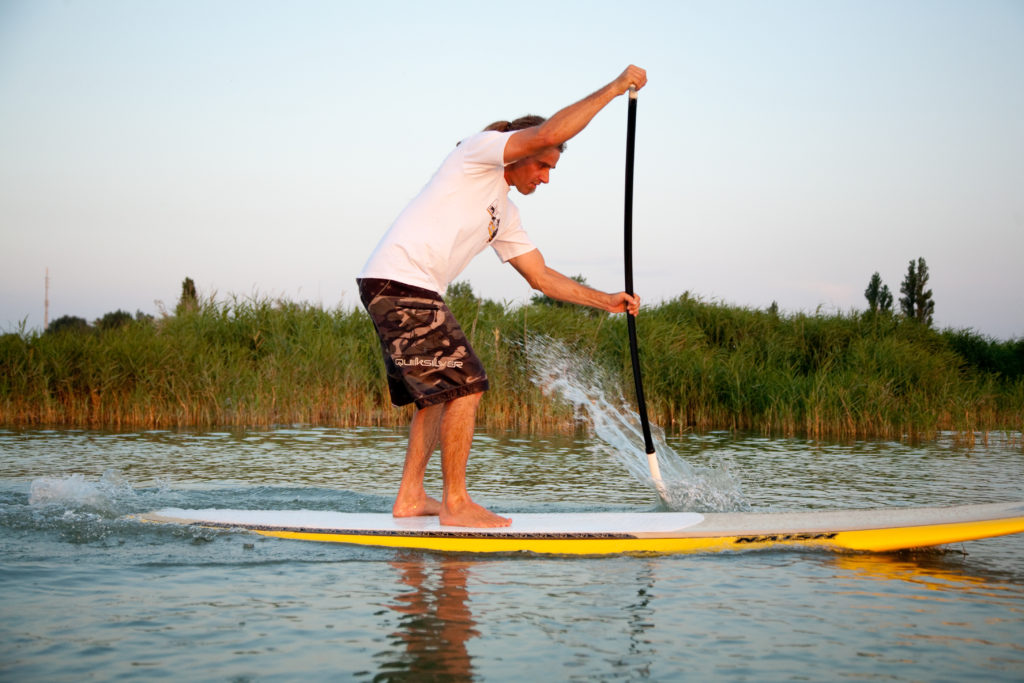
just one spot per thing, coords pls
(634, 352)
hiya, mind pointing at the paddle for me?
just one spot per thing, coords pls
(634, 351)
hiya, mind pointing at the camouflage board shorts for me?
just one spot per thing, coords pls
(426, 354)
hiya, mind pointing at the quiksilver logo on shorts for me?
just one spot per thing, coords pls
(428, 362)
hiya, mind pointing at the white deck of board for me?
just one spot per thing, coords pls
(827, 521)
(640, 524)
(522, 523)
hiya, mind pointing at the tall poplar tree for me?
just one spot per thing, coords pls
(878, 295)
(916, 302)
(189, 300)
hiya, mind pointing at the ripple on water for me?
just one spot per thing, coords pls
(89, 592)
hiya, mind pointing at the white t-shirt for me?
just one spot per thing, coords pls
(461, 210)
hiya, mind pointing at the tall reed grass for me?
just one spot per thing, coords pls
(261, 362)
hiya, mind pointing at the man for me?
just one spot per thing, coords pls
(463, 209)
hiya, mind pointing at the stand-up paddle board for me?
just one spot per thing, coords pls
(605, 533)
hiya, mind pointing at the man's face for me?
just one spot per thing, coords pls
(527, 174)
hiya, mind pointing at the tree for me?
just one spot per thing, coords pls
(189, 300)
(885, 300)
(878, 295)
(916, 302)
(68, 323)
(111, 321)
(460, 290)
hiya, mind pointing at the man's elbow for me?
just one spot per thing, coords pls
(536, 282)
(545, 135)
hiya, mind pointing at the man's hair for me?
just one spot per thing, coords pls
(528, 121)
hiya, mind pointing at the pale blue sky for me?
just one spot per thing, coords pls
(785, 150)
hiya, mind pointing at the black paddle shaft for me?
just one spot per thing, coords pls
(634, 350)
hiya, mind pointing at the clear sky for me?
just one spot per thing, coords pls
(785, 150)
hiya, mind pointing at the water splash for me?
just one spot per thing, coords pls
(598, 400)
(76, 492)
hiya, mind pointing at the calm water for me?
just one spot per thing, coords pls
(88, 594)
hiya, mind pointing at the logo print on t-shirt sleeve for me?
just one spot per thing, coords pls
(492, 227)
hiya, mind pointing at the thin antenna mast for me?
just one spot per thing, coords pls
(46, 303)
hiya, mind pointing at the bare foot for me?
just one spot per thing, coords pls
(472, 515)
(416, 507)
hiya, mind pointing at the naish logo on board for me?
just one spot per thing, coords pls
(776, 538)
(428, 362)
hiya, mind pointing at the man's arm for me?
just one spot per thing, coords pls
(531, 266)
(567, 122)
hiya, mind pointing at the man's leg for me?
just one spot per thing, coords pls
(424, 433)
(457, 509)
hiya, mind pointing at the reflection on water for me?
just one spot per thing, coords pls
(932, 573)
(435, 621)
(935, 604)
